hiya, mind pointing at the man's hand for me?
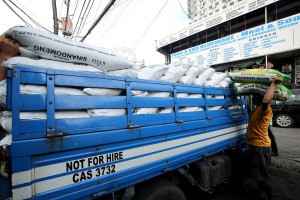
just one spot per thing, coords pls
(277, 80)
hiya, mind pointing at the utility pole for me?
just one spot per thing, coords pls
(99, 18)
(55, 17)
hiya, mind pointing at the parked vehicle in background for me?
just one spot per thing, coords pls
(286, 113)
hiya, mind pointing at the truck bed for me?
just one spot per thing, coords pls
(91, 157)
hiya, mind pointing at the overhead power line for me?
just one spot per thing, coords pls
(149, 25)
(25, 22)
(85, 16)
(78, 20)
(120, 16)
(99, 18)
(31, 19)
(182, 8)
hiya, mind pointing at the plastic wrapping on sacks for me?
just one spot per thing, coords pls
(194, 96)
(144, 111)
(182, 95)
(158, 94)
(3, 94)
(153, 72)
(234, 107)
(37, 89)
(225, 83)
(191, 74)
(49, 64)
(202, 77)
(215, 79)
(102, 91)
(6, 141)
(190, 109)
(141, 93)
(257, 76)
(140, 111)
(53, 47)
(124, 72)
(215, 108)
(166, 110)
(106, 112)
(173, 74)
(281, 93)
(6, 118)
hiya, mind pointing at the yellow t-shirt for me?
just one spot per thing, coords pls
(257, 131)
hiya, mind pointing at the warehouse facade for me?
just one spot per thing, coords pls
(235, 34)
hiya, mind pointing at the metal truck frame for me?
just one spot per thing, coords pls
(86, 158)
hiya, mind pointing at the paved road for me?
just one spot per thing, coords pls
(288, 140)
(285, 174)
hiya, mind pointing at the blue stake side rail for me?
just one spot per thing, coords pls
(94, 156)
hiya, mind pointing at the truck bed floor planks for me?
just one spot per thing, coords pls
(76, 158)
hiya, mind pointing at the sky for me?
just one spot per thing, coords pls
(129, 25)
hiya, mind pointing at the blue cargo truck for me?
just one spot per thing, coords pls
(126, 156)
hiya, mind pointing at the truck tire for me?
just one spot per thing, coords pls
(159, 190)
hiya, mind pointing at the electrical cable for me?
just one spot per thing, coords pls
(97, 9)
(31, 19)
(121, 15)
(25, 22)
(62, 3)
(78, 20)
(149, 25)
(84, 23)
(75, 10)
(29, 11)
(105, 10)
(83, 16)
(182, 8)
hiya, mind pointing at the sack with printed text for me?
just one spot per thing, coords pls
(257, 76)
(36, 43)
(281, 93)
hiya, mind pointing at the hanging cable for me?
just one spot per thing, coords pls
(99, 18)
(84, 23)
(121, 15)
(75, 10)
(97, 8)
(182, 8)
(149, 26)
(31, 19)
(83, 17)
(78, 20)
(25, 22)
(28, 11)
(62, 3)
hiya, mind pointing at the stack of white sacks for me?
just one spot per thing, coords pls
(180, 72)
(39, 49)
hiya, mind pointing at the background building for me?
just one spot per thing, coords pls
(234, 34)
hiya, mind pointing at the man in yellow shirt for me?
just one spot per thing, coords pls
(258, 140)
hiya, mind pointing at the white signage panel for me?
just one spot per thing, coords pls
(223, 15)
(278, 36)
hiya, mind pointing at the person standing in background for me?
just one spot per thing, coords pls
(258, 141)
